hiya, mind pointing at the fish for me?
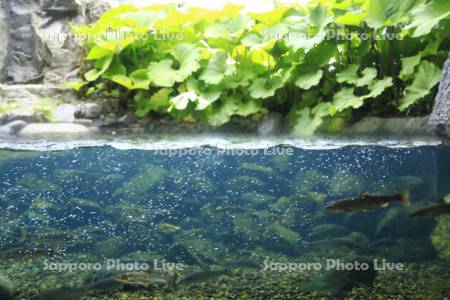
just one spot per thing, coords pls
(244, 263)
(63, 293)
(366, 202)
(432, 210)
(107, 284)
(134, 279)
(384, 242)
(23, 252)
(203, 276)
(339, 242)
(145, 279)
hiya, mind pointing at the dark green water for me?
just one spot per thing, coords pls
(259, 216)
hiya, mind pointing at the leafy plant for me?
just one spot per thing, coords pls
(327, 59)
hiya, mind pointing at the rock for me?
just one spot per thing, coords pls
(85, 122)
(337, 282)
(22, 64)
(65, 113)
(29, 93)
(270, 124)
(16, 126)
(54, 131)
(6, 289)
(60, 6)
(128, 118)
(89, 111)
(4, 37)
(11, 129)
(440, 117)
(401, 127)
(95, 8)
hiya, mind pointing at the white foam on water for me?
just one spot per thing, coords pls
(220, 142)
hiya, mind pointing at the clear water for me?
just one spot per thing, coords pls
(250, 213)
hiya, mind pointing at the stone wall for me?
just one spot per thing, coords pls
(37, 45)
(440, 117)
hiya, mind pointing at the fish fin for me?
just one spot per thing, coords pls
(385, 205)
(404, 198)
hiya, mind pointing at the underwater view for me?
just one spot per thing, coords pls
(354, 222)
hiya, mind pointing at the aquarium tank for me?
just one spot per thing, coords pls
(173, 150)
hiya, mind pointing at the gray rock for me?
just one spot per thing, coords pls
(89, 111)
(270, 124)
(16, 126)
(375, 126)
(10, 130)
(65, 113)
(4, 37)
(440, 117)
(27, 94)
(54, 131)
(95, 8)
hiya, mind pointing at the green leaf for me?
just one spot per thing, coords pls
(181, 101)
(377, 87)
(217, 68)
(97, 53)
(409, 64)
(263, 88)
(229, 28)
(140, 79)
(249, 107)
(164, 73)
(158, 102)
(349, 74)
(387, 13)
(220, 114)
(123, 80)
(101, 66)
(428, 15)
(208, 92)
(142, 18)
(76, 84)
(345, 99)
(319, 17)
(306, 124)
(308, 77)
(426, 77)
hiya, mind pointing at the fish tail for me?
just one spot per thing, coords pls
(404, 198)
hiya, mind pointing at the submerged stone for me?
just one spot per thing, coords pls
(336, 283)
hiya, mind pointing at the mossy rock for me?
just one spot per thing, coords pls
(309, 181)
(33, 184)
(440, 238)
(142, 183)
(322, 231)
(109, 248)
(244, 184)
(257, 198)
(9, 156)
(285, 234)
(85, 205)
(281, 162)
(345, 183)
